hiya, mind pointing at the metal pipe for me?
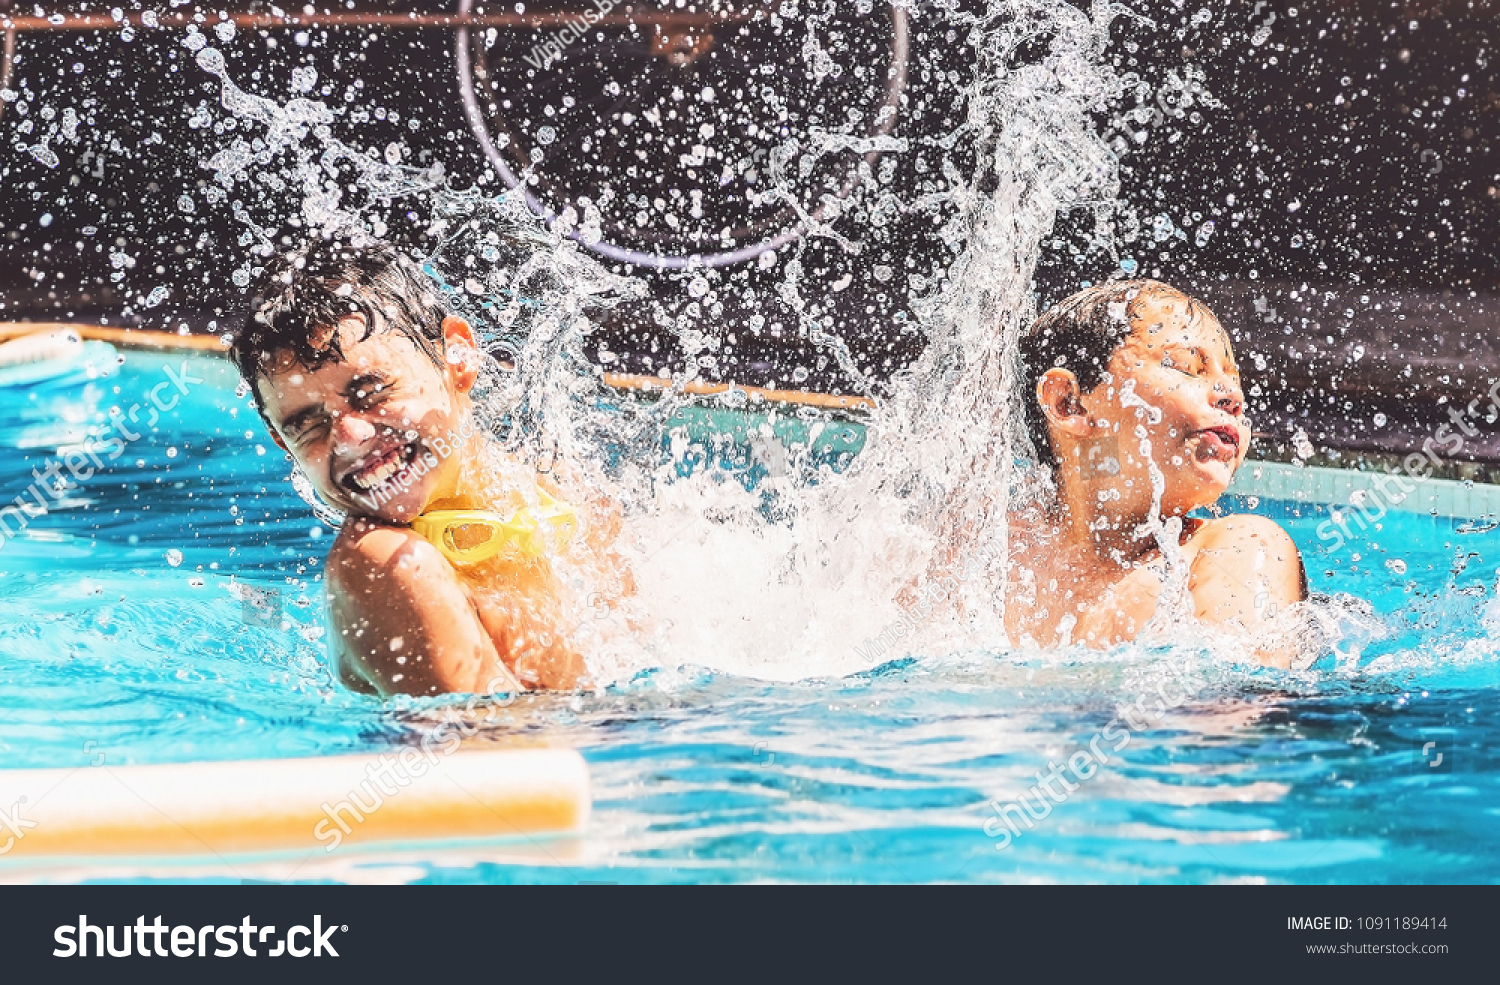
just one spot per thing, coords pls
(106, 22)
(7, 60)
(388, 21)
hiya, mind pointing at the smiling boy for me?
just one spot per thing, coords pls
(1136, 411)
(443, 576)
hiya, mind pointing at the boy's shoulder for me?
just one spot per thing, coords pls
(1246, 546)
(1242, 530)
(376, 550)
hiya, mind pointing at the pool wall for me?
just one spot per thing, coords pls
(740, 436)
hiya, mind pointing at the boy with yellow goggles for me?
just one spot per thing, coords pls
(468, 537)
(364, 377)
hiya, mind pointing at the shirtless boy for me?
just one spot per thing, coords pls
(1124, 378)
(442, 577)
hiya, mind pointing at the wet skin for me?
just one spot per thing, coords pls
(1087, 568)
(368, 432)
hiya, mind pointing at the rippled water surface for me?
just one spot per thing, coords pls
(124, 633)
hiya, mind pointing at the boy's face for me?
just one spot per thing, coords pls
(1182, 365)
(358, 426)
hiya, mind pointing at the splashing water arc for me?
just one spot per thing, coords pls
(790, 579)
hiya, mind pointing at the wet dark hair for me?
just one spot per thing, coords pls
(303, 293)
(1080, 334)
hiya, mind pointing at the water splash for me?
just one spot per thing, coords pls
(788, 578)
(948, 438)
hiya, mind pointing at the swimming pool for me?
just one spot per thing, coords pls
(128, 637)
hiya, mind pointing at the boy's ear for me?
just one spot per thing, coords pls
(1058, 393)
(461, 353)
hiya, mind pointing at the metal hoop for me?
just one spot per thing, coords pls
(895, 85)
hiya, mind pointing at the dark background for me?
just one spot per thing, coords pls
(1351, 179)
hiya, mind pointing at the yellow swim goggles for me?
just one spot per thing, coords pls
(471, 536)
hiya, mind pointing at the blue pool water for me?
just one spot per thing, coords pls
(124, 638)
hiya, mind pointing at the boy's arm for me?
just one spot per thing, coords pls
(401, 619)
(1247, 571)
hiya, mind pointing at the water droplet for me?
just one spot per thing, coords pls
(1129, 266)
(304, 77)
(157, 296)
(46, 219)
(211, 60)
(174, 557)
(1396, 565)
(698, 286)
(185, 203)
(1380, 420)
(43, 154)
(546, 135)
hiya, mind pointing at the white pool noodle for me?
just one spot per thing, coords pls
(285, 804)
